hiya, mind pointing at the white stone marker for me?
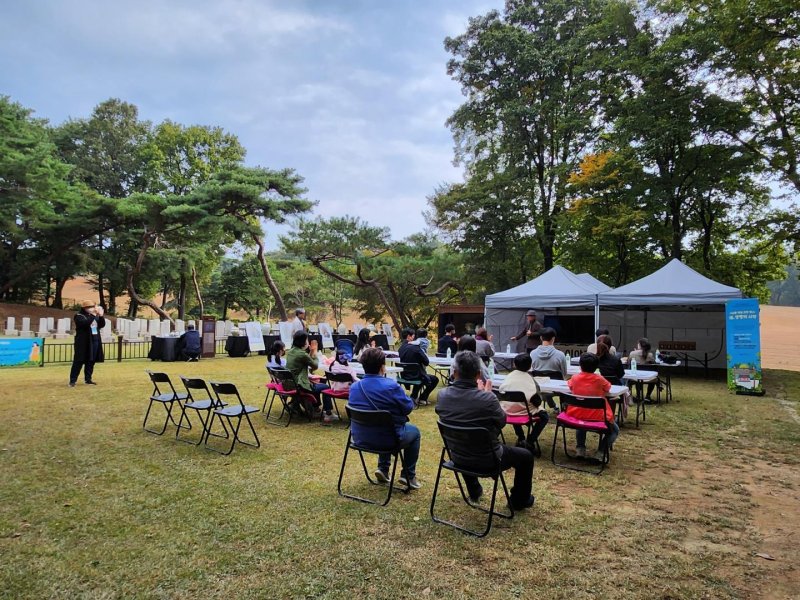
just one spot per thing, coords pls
(11, 325)
(165, 328)
(25, 330)
(61, 329)
(43, 331)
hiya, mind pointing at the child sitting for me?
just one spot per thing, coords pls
(341, 365)
(520, 380)
(591, 384)
(422, 340)
(274, 355)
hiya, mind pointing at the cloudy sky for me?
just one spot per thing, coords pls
(353, 94)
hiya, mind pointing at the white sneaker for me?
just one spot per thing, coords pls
(381, 476)
(600, 455)
(328, 418)
(580, 452)
(413, 484)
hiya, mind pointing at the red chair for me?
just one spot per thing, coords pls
(565, 421)
(337, 394)
(527, 419)
(294, 400)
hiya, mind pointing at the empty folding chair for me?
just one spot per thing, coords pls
(565, 421)
(200, 400)
(477, 443)
(380, 422)
(165, 399)
(237, 411)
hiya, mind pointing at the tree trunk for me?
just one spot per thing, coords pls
(164, 295)
(182, 292)
(101, 292)
(268, 278)
(112, 299)
(132, 273)
(58, 301)
(197, 292)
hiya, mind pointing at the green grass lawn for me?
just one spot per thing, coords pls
(91, 506)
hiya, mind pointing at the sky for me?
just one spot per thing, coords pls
(352, 94)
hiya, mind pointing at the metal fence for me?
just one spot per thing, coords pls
(116, 350)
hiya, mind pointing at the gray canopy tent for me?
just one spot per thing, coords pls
(556, 293)
(675, 304)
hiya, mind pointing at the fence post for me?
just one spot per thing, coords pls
(119, 348)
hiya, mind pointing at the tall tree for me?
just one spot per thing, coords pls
(534, 91)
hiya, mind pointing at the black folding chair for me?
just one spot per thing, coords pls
(294, 400)
(165, 399)
(565, 421)
(199, 400)
(230, 411)
(382, 426)
(558, 375)
(411, 376)
(527, 420)
(337, 394)
(475, 442)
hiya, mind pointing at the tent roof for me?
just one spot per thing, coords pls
(557, 287)
(674, 283)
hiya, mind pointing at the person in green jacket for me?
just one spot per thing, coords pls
(299, 359)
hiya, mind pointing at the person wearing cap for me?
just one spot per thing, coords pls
(531, 332)
(88, 349)
(299, 323)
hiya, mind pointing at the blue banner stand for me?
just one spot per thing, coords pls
(743, 341)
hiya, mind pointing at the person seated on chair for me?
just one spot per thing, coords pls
(448, 340)
(275, 354)
(422, 339)
(593, 347)
(362, 343)
(189, 344)
(377, 392)
(547, 357)
(483, 343)
(411, 353)
(301, 357)
(520, 380)
(589, 383)
(466, 404)
(643, 356)
(467, 342)
(610, 366)
(341, 365)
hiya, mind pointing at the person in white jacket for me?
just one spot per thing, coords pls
(520, 380)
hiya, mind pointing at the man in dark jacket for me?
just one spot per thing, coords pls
(411, 353)
(448, 340)
(531, 332)
(88, 349)
(189, 344)
(465, 404)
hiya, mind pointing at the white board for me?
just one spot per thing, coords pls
(255, 337)
(326, 332)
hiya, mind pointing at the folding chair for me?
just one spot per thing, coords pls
(382, 424)
(229, 412)
(558, 375)
(529, 419)
(565, 421)
(294, 400)
(202, 402)
(411, 376)
(272, 385)
(475, 442)
(165, 399)
(337, 394)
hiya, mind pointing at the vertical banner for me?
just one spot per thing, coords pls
(15, 352)
(327, 334)
(387, 331)
(743, 339)
(287, 332)
(255, 338)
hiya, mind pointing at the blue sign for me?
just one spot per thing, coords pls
(744, 346)
(20, 351)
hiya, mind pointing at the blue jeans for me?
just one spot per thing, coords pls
(409, 441)
(580, 437)
(316, 388)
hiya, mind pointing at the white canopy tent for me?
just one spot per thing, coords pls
(550, 293)
(676, 303)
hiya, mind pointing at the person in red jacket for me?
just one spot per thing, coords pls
(589, 383)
